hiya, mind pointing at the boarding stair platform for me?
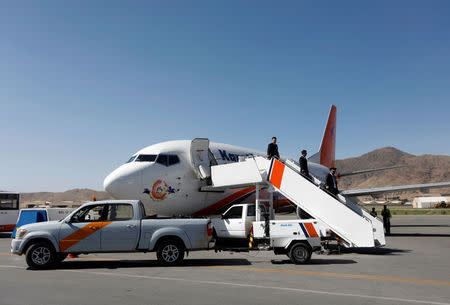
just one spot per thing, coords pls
(355, 226)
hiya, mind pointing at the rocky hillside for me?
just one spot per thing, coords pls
(418, 169)
(70, 197)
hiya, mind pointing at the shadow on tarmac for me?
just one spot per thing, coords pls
(5, 235)
(373, 251)
(316, 261)
(417, 235)
(94, 264)
(421, 226)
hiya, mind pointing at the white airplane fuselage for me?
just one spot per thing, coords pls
(163, 176)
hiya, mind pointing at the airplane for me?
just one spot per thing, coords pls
(172, 178)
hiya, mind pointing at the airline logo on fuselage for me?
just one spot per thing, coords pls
(159, 190)
(230, 156)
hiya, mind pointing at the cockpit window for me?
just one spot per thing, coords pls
(162, 159)
(131, 159)
(167, 160)
(146, 158)
(173, 159)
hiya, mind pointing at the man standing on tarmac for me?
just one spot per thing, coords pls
(373, 212)
(331, 183)
(386, 220)
(304, 164)
(272, 149)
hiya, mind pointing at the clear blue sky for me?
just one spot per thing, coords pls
(84, 84)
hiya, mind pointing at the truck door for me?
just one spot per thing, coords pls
(251, 216)
(201, 158)
(123, 232)
(82, 232)
(233, 223)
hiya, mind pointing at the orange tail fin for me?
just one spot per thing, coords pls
(328, 146)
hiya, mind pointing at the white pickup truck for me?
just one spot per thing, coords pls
(232, 229)
(111, 226)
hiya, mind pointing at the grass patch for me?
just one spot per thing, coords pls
(419, 212)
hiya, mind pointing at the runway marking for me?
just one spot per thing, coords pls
(340, 275)
(246, 285)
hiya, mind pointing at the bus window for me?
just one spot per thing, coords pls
(9, 201)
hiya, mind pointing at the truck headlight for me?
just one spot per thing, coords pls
(20, 233)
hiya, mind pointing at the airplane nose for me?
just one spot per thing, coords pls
(108, 184)
(124, 183)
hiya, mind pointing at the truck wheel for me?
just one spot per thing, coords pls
(40, 255)
(170, 252)
(300, 253)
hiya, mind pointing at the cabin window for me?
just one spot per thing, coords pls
(146, 158)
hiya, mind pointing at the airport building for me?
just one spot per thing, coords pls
(428, 202)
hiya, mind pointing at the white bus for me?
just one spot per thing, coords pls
(9, 210)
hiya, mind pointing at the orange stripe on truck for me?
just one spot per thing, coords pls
(310, 228)
(81, 234)
(277, 173)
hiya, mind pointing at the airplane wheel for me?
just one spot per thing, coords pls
(300, 253)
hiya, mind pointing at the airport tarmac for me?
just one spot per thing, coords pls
(414, 268)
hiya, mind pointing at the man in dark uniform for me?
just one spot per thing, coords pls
(331, 183)
(304, 164)
(373, 212)
(272, 149)
(386, 219)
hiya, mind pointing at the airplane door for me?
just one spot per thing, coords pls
(200, 158)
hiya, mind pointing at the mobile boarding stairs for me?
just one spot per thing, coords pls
(355, 226)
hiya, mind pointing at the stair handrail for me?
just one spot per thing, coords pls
(344, 203)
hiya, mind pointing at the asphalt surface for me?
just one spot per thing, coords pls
(414, 268)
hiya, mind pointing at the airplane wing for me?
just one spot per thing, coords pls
(387, 189)
(365, 171)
